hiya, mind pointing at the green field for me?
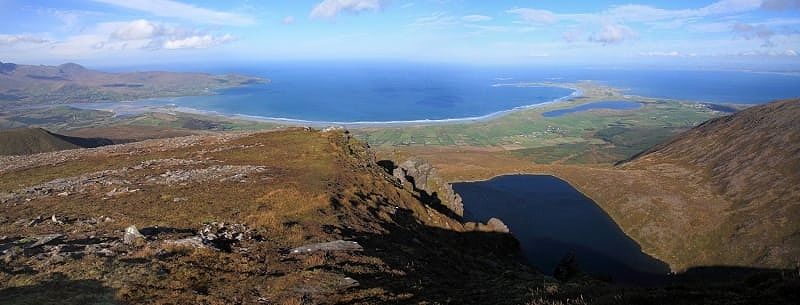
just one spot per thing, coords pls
(594, 136)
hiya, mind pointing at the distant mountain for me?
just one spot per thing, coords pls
(752, 160)
(25, 141)
(72, 83)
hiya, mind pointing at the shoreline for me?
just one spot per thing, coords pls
(167, 108)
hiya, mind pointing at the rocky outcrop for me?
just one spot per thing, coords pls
(421, 176)
(223, 236)
(497, 225)
(493, 225)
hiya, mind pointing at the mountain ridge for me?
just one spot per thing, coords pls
(26, 85)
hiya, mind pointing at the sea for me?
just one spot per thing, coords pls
(393, 92)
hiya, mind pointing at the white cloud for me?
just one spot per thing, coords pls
(175, 9)
(640, 13)
(196, 42)
(10, 40)
(724, 7)
(780, 5)
(475, 18)
(535, 16)
(773, 53)
(749, 32)
(711, 27)
(661, 54)
(329, 9)
(612, 34)
(149, 35)
(288, 20)
(435, 20)
(138, 29)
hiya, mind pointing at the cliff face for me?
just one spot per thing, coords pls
(288, 217)
(751, 160)
(422, 177)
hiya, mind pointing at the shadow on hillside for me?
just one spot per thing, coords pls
(59, 290)
(442, 266)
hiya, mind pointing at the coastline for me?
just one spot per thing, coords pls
(167, 108)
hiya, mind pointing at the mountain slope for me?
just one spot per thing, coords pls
(25, 141)
(220, 216)
(286, 217)
(751, 159)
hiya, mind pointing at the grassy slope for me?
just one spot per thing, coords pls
(751, 159)
(318, 187)
(24, 141)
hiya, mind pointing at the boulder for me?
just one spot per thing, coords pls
(497, 225)
(131, 235)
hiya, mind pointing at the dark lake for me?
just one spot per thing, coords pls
(614, 105)
(550, 219)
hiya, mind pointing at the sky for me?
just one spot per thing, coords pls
(744, 33)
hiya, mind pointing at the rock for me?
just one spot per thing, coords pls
(105, 253)
(131, 235)
(223, 236)
(332, 128)
(193, 242)
(349, 282)
(103, 249)
(3, 219)
(221, 173)
(35, 221)
(121, 191)
(44, 239)
(55, 220)
(422, 177)
(339, 245)
(497, 225)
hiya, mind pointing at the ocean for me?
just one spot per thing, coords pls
(381, 92)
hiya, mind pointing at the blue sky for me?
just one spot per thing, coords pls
(131, 32)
